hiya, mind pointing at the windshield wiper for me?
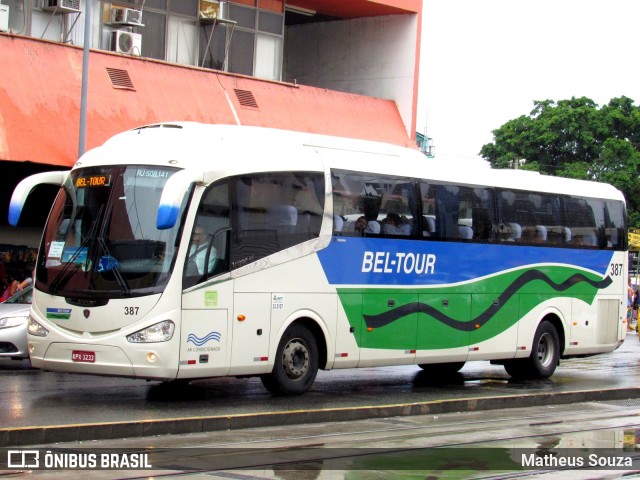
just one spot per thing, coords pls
(122, 283)
(66, 273)
(115, 269)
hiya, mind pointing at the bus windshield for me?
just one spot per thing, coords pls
(101, 239)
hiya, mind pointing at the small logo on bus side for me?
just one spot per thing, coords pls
(197, 341)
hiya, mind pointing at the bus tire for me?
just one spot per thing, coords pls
(544, 355)
(516, 368)
(296, 363)
(442, 369)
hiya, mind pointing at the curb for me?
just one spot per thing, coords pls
(38, 435)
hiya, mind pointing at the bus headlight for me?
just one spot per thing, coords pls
(36, 329)
(160, 332)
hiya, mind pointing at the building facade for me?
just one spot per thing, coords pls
(346, 68)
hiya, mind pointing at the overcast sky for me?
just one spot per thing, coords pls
(484, 62)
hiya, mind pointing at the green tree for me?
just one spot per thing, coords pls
(575, 138)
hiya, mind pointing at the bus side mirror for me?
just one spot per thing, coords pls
(172, 196)
(24, 188)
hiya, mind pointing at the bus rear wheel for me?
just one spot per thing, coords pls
(296, 364)
(544, 355)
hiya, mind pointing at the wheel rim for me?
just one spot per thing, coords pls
(546, 350)
(295, 359)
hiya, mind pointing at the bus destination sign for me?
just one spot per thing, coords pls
(93, 181)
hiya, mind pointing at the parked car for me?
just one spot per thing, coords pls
(14, 316)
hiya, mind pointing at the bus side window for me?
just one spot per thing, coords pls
(584, 217)
(457, 212)
(398, 212)
(518, 217)
(614, 225)
(207, 253)
(356, 203)
(275, 211)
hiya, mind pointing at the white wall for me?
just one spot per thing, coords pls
(370, 56)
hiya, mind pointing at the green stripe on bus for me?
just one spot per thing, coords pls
(462, 314)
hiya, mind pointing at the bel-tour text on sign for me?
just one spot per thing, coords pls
(398, 262)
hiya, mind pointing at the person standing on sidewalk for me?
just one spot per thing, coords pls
(630, 295)
(634, 309)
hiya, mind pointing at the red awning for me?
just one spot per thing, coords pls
(40, 101)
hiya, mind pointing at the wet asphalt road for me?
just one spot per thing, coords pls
(34, 400)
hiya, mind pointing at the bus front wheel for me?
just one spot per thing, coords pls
(296, 363)
(544, 355)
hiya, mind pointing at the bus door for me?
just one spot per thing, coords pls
(205, 343)
(207, 300)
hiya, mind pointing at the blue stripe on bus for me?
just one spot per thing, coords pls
(378, 261)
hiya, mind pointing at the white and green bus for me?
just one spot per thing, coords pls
(185, 251)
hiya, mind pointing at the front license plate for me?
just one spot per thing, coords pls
(83, 356)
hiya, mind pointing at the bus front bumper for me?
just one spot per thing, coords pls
(102, 360)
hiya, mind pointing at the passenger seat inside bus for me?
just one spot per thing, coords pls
(541, 233)
(512, 232)
(372, 228)
(567, 234)
(465, 232)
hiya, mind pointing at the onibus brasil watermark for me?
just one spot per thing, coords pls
(57, 460)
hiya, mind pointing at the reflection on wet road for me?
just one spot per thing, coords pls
(457, 445)
(33, 397)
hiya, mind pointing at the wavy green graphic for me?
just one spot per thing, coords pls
(459, 315)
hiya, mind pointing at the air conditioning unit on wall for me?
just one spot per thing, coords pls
(4, 18)
(62, 6)
(126, 16)
(211, 10)
(126, 42)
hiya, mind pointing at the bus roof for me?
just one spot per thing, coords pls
(220, 150)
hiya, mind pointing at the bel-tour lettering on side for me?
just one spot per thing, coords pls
(398, 262)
